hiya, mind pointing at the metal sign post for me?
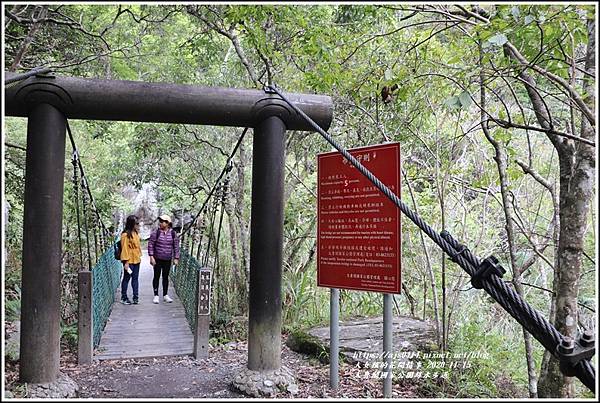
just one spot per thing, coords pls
(387, 344)
(334, 338)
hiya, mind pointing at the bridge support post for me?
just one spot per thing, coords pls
(265, 375)
(42, 244)
(84, 321)
(266, 245)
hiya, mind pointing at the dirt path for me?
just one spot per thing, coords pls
(184, 377)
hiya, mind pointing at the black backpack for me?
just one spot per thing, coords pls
(118, 249)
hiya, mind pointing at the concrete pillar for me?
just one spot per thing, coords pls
(42, 245)
(266, 245)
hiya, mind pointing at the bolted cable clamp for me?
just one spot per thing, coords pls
(269, 89)
(487, 267)
(460, 248)
(570, 353)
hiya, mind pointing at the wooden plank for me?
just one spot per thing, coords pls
(130, 355)
(156, 342)
(85, 337)
(146, 329)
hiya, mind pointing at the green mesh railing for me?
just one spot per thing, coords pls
(105, 280)
(185, 281)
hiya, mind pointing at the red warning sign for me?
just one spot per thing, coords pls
(358, 233)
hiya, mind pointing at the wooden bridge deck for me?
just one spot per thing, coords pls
(147, 329)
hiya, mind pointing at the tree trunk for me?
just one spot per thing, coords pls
(43, 11)
(243, 222)
(236, 263)
(577, 167)
(501, 159)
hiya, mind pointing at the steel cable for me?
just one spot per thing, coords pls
(226, 169)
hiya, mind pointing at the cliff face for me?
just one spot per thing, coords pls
(145, 206)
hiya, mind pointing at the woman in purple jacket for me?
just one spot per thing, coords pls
(163, 248)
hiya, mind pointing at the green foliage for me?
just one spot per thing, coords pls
(69, 335)
(348, 52)
(12, 309)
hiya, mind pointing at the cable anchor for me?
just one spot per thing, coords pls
(488, 266)
(570, 352)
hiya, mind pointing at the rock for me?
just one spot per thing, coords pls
(9, 395)
(263, 384)
(364, 335)
(305, 343)
(63, 387)
(293, 389)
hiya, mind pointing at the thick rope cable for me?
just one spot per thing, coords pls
(223, 191)
(211, 234)
(76, 192)
(507, 297)
(23, 76)
(87, 189)
(85, 225)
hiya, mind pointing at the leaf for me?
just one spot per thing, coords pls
(514, 173)
(465, 99)
(388, 74)
(454, 59)
(453, 103)
(528, 19)
(498, 39)
(516, 12)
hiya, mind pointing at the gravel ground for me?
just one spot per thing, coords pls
(184, 377)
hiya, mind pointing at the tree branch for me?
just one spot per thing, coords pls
(553, 77)
(506, 125)
(15, 146)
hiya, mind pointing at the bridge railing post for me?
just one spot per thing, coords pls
(201, 332)
(85, 326)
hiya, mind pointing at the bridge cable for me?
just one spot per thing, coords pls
(23, 76)
(87, 189)
(85, 224)
(573, 357)
(86, 195)
(213, 210)
(227, 168)
(76, 192)
(223, 196)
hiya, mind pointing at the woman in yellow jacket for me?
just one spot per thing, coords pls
(131, 256)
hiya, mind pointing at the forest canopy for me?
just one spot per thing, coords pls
(493, 105)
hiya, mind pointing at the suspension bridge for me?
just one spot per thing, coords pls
(146, 329)
(48, 101)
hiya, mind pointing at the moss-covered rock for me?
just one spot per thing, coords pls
(303, 342)
(361, 339)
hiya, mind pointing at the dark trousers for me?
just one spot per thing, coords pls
(135, 273)
(164, 267)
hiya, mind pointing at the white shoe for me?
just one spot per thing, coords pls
(155, 300)
(166, 298)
